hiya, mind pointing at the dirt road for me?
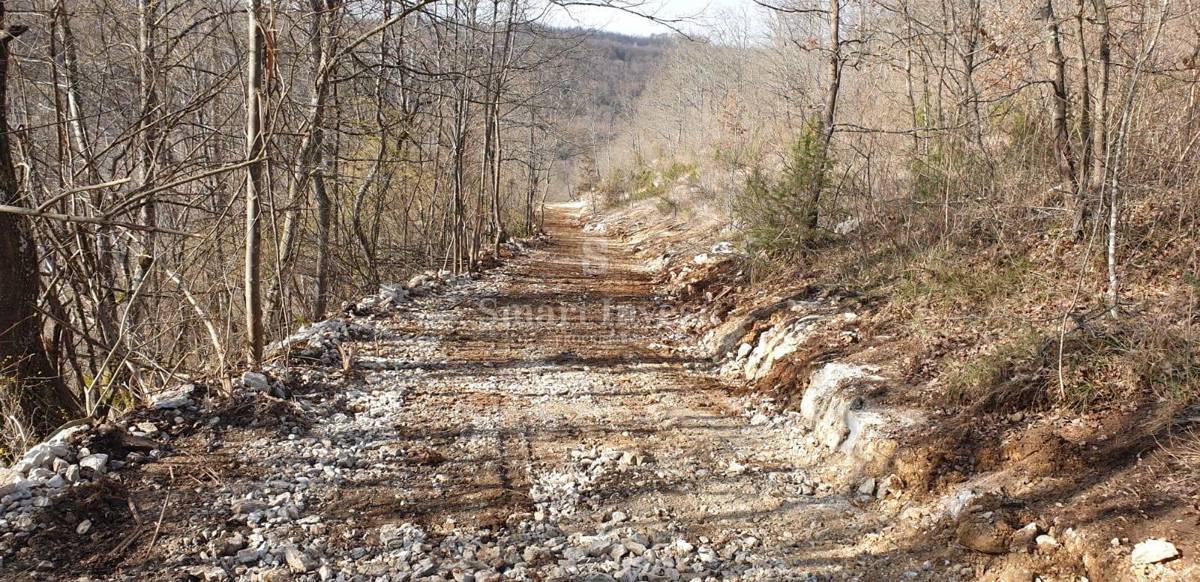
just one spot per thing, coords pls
(535, 423)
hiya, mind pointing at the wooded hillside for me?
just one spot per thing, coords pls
(1021, 175)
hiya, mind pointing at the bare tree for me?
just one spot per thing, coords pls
(1118, 152)
(256, 145)
(1100, 130)
(130, 143)
(1059, 108)
(833, 87)
(25, 370)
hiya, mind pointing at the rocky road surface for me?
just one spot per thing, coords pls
(537, 423)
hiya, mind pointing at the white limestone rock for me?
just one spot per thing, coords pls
(1153, 551)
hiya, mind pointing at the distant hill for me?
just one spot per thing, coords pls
(603, 80)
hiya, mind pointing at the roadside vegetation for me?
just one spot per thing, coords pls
(1023, 206)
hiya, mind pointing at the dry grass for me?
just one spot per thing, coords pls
(1095, 365)
(16, 435)
(969, 253)
(1009, 312)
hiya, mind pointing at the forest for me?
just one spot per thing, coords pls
(494, 290)
(181, 192)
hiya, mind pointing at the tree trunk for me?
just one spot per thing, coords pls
(828, 116)
(490, 130)
(501, 235)
(908, 83)
(148, 13)
(1060, 103)
(309, 158)
(969, 112)
(100, 246)
(43, 398)
(324, 223)
(1100, 130)
(1086, 140)
(1119, 142)
(360, 233)
(498, 149)
(531, 191)
(360, 197)
(256, 146)
(83, 143)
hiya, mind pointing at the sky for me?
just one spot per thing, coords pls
(698, 13)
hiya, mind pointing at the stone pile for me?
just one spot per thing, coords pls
(318, 342)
